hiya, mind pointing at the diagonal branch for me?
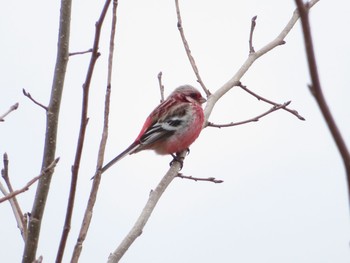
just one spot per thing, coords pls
(29, 96)
(235, 80)
(11, 109)
(12, 193)
(317, 89)
(187, 48)
(294, 112)
(255, 119)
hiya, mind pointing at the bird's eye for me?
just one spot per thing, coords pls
(194, 95)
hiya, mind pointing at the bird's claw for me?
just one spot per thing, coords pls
(177, 158)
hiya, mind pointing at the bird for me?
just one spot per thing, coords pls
(171, 127)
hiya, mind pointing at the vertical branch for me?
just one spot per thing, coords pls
(52, 115)
(316, 88)
(97, 178)
(83, 124)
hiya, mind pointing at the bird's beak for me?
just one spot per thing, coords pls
(202, 100)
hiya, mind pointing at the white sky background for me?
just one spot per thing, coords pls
(284, 197)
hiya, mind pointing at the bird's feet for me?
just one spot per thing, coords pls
(177, 158)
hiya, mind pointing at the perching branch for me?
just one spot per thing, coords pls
(29, 96)
(153, 199)
(213, 98)
(317, 89)
(52, 113)
(81, 138)
(11, 109)
(97, 178)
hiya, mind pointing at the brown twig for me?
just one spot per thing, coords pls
(27, 94)
(161, 86)
(187, 48)
(252, 27)
(317, 89)
(255, 119)
(97, 178)
(11, 109)
(12, 193)
(80, 52)
(81, 138)
(294, 112)
(209, 179)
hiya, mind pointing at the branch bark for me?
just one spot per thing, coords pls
(52, 115)
(97, 178)
(81, 139)
(316, 89)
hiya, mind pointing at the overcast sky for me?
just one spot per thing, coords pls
(284, 196)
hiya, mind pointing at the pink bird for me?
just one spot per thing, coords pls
(171, 127)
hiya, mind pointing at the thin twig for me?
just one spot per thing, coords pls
(209, 179)
(255, 119)
(80, 52)
(317, 89)
(13, 202)
(81, 139)
(11, 109)
(294, 112)
(97, 178)
(161, 86)
(187, 48)
(12, 193)
(252, 27)
(27, 94)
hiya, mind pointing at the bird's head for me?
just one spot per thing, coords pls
(188, 93)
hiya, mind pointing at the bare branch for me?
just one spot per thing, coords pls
(187, 48)
(80, 52)
(12, 193)
(81, 139)
(235, 80)
(11, 109)
(53, 110)
(252, 27)
(317, 89)
(209, 179)
(294, 112)
(97, 178)
(13, 202)
(161, 86)
(27, 94)
(255, 119)
(153, 199)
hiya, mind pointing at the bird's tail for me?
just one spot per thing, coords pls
(126, 152)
